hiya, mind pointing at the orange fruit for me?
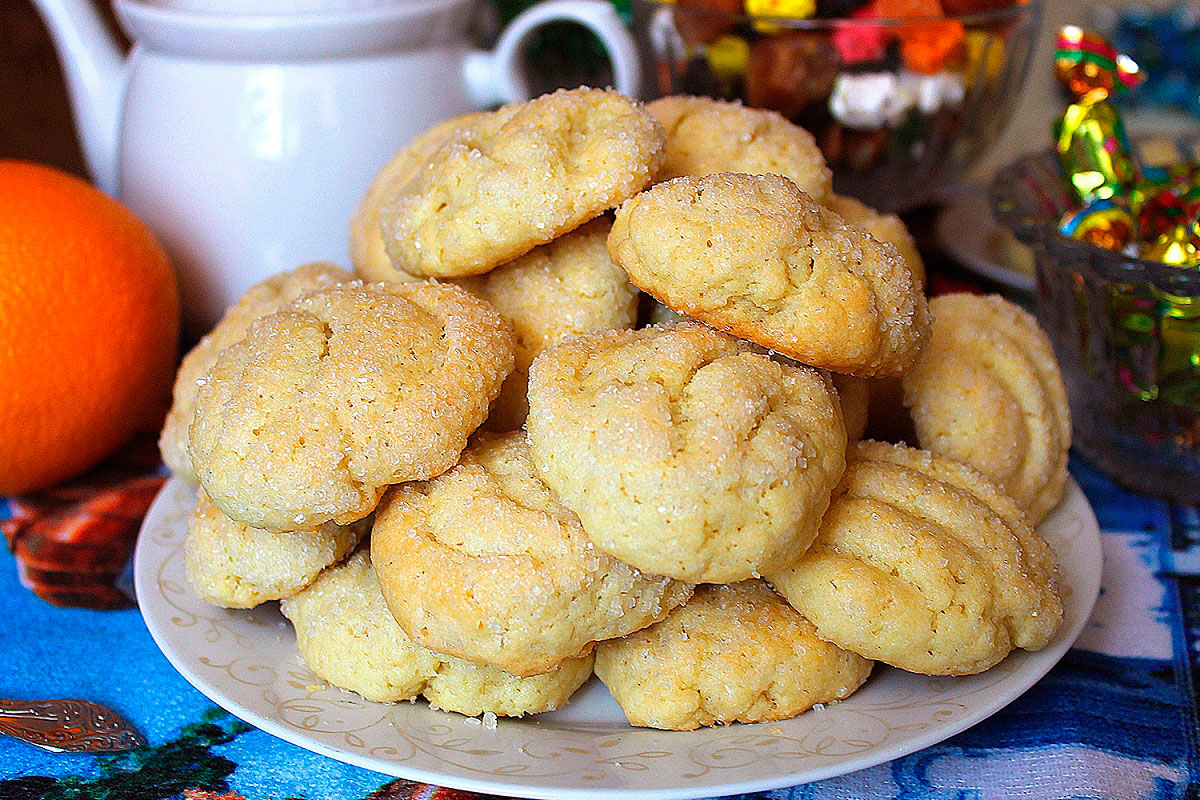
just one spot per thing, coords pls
(89, 326)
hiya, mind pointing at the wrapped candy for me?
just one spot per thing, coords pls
(1093, 148)
(1178, 246)
(1105, 222)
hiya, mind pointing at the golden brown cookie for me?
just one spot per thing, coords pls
(235, 566)
(884, 227)
(262, 299)
(925, 565)
(706, 136)
(734, 653)
(367, 252)
(345, 391)
(485, 563)
(684, 452)
(559, 290)
(347, 637)
(755, 256)
(519, 177)
(988, 393)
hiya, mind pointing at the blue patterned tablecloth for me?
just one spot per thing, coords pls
(1117, 719)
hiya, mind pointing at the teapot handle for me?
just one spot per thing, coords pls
(494, 76)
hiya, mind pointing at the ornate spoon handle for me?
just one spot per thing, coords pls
(68, 726)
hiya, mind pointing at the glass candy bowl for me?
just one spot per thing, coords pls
(1127, 336)
(900, 107)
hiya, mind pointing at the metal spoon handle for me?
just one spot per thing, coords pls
(68, 726)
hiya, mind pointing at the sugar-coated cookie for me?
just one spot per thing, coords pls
(734, 653)
(486, 564)
(755, 256)
(706, 136)
(367, 252)
(554, 292)
(685, 452)
(347, 637)
(884, 227)
(262, 299)
(519, 177)
(235, 566)
(988, 393)
(345, 391)
(925, 565)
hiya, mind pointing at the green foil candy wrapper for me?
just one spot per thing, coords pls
(1093, 148)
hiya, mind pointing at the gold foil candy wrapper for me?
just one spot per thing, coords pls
(1106, 222)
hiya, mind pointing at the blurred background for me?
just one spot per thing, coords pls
(35, 119)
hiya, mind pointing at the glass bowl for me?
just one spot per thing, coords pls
(900, 107)
(1126, 333)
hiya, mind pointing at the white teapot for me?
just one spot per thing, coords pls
(244, 132)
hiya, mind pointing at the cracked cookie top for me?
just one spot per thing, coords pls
(734, 653)
(706, 136)
(925, 565)
(755, 256)
(260, 300)
(345, 391)
(484, 562)
(347, 637)
(518, 177)
(684, 451)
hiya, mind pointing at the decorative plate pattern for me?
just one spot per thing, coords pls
(246, 661)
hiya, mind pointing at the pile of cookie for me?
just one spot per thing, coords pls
(468, 474)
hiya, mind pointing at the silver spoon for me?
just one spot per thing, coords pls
(68, 726)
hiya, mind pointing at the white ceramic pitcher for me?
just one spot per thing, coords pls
(245, 140)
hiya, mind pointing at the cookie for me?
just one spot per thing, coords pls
(367, 252)
(559, 290)
(262, 299)
(925, 565)
(347, 637)
(684, 451)
(734, 653)
(988, 393)
(345, 391)
(235, 566)
(887, 228)
(485, 563)
(755, 256)
(519, 177)
(706, 136)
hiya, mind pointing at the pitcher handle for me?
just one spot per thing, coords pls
(494, 76)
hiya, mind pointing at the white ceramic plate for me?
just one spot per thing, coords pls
(966, 230)
(246, 661)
